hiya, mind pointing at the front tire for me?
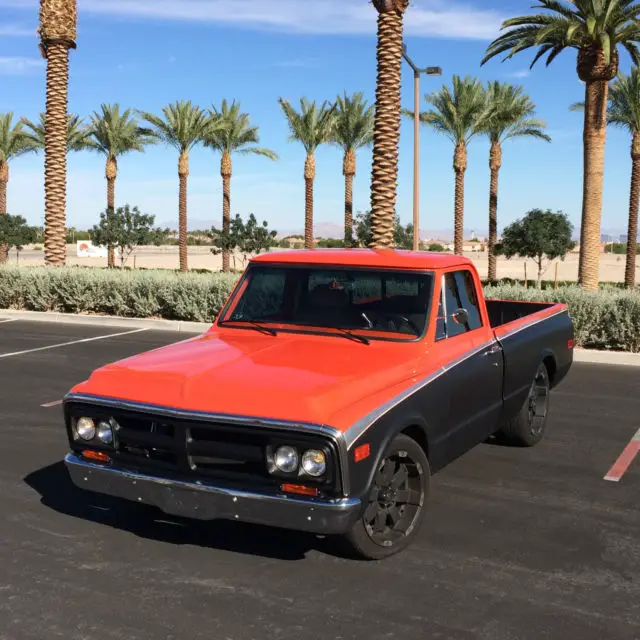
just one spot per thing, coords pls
(528, 428)
(397, 502)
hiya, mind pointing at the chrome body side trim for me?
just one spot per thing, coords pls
(301, 427)
(205, 501)
(357, 429)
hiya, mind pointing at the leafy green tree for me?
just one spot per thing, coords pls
(231, 133)
(435, 247)
(182, 126)
(15, 233)
(596, 29)
(541, 236)
(353, 130)
(247, 238)
(402, 235)
(312, 126)
(125, 229)
(459, 114)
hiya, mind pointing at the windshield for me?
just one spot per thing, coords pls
(384, 304)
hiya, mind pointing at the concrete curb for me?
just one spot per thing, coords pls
(105, 321)
(589, 356)
(620, 358)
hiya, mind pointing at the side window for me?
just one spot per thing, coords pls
(459, 293)
(453, 302)
(469, 299)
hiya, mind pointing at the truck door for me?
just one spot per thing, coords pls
(474, 372)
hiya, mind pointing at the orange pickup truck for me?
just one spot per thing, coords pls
(330, 388)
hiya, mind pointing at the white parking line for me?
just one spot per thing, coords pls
(67, 344)
(9, 320)
(55, 403)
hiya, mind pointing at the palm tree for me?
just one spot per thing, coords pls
(353, 130)
(233, 133)
(182, 126)
(58, 22)
(14, 142)
(114, 134)
(78, 135)
(596, 28)
(311, 127)
(460, 115)
(624, 111)
(384, 175)
(511, 115)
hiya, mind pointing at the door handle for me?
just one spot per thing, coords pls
(495, 349)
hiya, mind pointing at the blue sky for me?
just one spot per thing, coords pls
(146, 53)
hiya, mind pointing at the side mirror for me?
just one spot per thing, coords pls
(460, 316)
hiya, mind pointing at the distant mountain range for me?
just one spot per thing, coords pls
(335, 230)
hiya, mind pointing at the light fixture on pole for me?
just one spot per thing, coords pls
(430, 71)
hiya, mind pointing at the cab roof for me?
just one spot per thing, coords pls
(383, 258)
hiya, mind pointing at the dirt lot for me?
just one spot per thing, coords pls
(519, 544)
(611, 266)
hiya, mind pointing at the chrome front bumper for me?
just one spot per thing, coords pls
(207, 502)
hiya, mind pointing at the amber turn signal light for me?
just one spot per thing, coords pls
(97, 456)
(300, 489)
(362, 452)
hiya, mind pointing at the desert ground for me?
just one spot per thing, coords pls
(166, 257)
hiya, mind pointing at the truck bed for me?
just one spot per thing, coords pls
(502, 312)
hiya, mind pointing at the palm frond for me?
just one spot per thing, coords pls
(182, 125)
(78, 134)
(231, 131)
(313, 125)
(14, 140)
(116, 133)
(354, 122)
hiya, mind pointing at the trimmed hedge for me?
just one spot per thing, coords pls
(608, 319)
(133, 294)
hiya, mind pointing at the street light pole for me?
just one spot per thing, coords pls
(430, 71)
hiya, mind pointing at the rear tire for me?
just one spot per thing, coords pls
(528, 428)
(397, 502)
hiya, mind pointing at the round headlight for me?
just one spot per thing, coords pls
(105, 434)
(314, 463)
(85, 428)
(286, 459)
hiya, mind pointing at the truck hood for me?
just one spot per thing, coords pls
(295, 377)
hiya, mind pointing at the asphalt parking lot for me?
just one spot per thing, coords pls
(520, 544)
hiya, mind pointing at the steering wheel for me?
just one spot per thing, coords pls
(391, 319)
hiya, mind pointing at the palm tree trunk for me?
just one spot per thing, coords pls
(4, 180)
(495, 163)
(309, 177)
(349, 172)
(460, 167)
(384, 176)
(595, 135)
(55, 154)
(634, 204)
(111, 173)
(226, 169)
(183, 175)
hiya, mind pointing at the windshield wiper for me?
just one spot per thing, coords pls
(258, 325)
(345, 333)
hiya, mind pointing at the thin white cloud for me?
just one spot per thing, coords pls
(15, 31)
(297, 63)
(523, 73)
(15, 66)
(433, 18)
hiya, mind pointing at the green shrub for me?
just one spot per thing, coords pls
(608, 319)
(134, 294)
